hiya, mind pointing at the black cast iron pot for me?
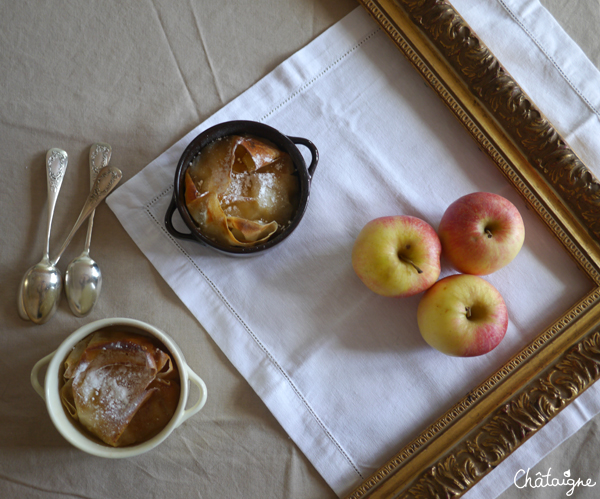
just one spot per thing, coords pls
(283, 142)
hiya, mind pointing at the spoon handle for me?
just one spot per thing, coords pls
(105, 182)
(56, 166)
(100, 154)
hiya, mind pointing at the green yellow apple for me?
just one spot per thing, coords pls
(462, 315)
(397, 255)
(481, 233)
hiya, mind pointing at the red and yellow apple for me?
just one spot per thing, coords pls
(462, 315)
(397, 255)
(481, 233)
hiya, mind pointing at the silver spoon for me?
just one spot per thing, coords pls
(83, 279)
(39, 304)
(41, 280)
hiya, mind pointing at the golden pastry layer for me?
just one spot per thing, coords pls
(122, 387)
(241, 190)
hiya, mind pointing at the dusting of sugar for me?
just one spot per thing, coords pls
(81, 367)
(268, 194)
(113, 389)
(239, 187)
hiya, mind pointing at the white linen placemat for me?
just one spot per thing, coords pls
(345, 371)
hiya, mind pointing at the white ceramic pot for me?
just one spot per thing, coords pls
(68, 428)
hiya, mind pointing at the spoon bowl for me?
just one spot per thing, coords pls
(42, 287)
(83, 281)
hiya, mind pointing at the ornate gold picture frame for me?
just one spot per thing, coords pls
(500, 414)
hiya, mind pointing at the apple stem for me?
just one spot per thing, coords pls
(468, 310)
(489, 233)
(409, 261)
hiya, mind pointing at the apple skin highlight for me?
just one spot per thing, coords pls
(397, 256)
(463, 316)
(481, 233)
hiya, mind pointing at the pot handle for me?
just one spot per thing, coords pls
(313, 151)
(169, 222)
(188, 413)
(35, 378)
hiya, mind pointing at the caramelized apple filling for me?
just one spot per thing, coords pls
(241, 190)
(121, 387)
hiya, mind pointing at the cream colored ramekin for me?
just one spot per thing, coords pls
(68, 428)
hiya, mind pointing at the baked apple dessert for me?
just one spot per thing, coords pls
(122, 387)
(241, 190)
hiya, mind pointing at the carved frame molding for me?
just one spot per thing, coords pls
(500, 414)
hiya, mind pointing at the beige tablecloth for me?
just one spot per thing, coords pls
(139, 76)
